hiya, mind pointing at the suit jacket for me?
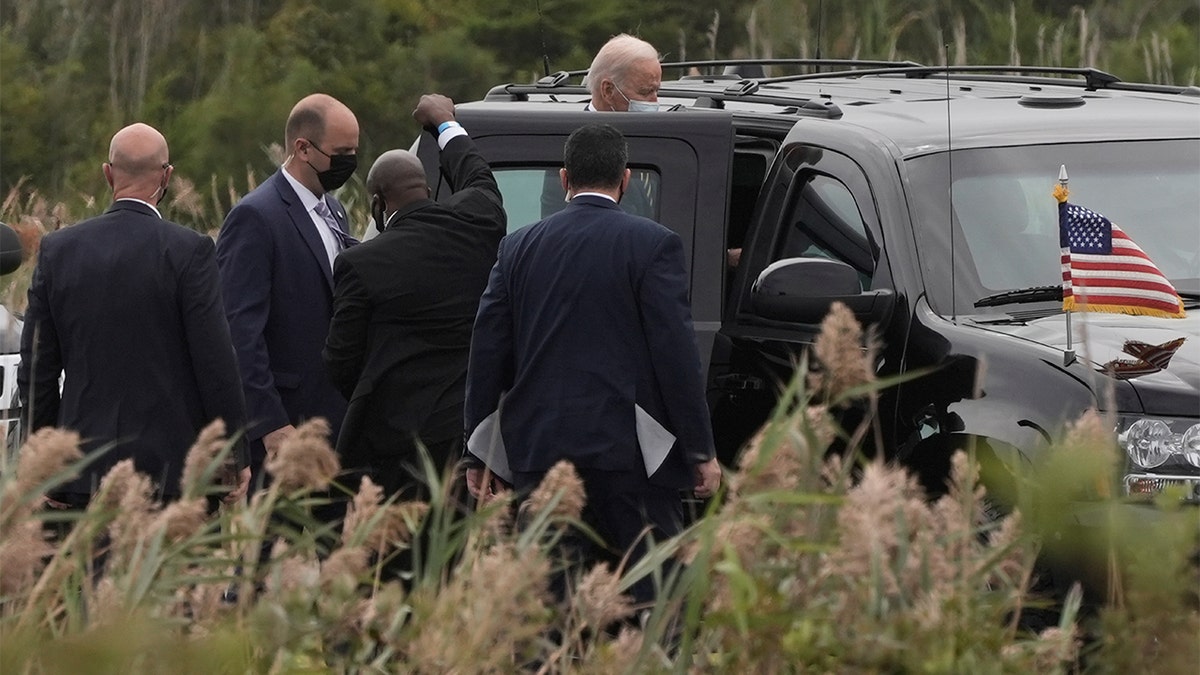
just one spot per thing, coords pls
(585, 332)
(404, 303)
(128, 306)
(278, 291)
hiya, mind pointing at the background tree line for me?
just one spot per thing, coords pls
(219, 76)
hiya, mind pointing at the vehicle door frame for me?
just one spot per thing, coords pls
(691, 151)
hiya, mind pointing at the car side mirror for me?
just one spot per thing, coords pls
(801, 290)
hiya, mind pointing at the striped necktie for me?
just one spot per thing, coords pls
(345, 241)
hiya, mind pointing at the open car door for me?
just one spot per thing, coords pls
(681, 161)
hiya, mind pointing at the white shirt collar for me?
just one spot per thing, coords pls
(306, 196)
(595, 194)
(140, 201)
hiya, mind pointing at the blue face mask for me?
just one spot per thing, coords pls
(638, 106)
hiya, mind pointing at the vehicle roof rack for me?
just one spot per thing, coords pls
(562, 78)
(1093, 78)
(743, 87)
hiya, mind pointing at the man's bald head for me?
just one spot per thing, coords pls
(397, 177)
(138, 149)
(139, 164)
(310, 116)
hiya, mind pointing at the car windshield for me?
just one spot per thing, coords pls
(1003, 233)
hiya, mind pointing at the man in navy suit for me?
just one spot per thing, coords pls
(276, 252)
(127, 307)
(583, 350)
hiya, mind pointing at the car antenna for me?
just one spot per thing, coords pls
(542, 34)
(820, 17)
(950, 187)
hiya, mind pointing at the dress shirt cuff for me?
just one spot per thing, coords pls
(448, 131)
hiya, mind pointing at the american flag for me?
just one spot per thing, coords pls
(1103, 270)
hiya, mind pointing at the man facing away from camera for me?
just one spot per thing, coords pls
(127, 307)
(404, 303)
(583, 350)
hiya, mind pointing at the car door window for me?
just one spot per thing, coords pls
(824, 222)
(532, 193)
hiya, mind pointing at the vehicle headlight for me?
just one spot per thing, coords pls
(1150, 443)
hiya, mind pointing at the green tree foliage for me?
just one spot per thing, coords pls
(219, 76)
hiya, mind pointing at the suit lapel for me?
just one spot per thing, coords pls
(303, 223)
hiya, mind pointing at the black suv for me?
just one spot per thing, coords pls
(920, 197)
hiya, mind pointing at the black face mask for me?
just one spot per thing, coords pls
(341, 167)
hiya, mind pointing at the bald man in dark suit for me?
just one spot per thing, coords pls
(127, 307)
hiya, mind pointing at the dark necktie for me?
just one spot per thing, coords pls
(345, 241)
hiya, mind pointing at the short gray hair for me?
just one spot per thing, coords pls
(616, 57)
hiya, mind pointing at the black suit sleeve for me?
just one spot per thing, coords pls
(667, 325)
(346, 345)
(476, 196)
(490, 367)
(41, 358)
(244, 255)
(214, 363)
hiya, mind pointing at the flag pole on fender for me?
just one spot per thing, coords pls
(1061, 194)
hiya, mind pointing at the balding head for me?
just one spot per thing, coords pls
(311, 115)
(138, 163)
(318, 128)
(396, 180)
(626, 68)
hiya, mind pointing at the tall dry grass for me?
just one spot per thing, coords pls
(810, 561)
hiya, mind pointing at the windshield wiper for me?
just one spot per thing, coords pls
(1020, 296)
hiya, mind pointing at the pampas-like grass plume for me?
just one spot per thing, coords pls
(396, 525)
(598, 599)
(45, 454)
(839, 348)
(560, 479)
(305, 461)
(489, 617)
(203, 452)
(344, 563)
(181, 520)
(22, 557)
(361, 510)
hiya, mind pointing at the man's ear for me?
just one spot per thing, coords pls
(566, 182)
(107, 169)
(625, 180)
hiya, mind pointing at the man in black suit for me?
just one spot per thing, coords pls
(127, 306)
(276, 252)
(404, 303)
(583, 350)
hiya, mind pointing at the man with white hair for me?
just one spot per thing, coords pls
(625, 76)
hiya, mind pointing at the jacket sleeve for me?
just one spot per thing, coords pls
(476, 196)
(41, 358)
(490, 366)
(346, 345)
(244, 254)
(667, 326)
(214, 363)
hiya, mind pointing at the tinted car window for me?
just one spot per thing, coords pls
(1004, 222)
(531, 193)
(825, 222)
